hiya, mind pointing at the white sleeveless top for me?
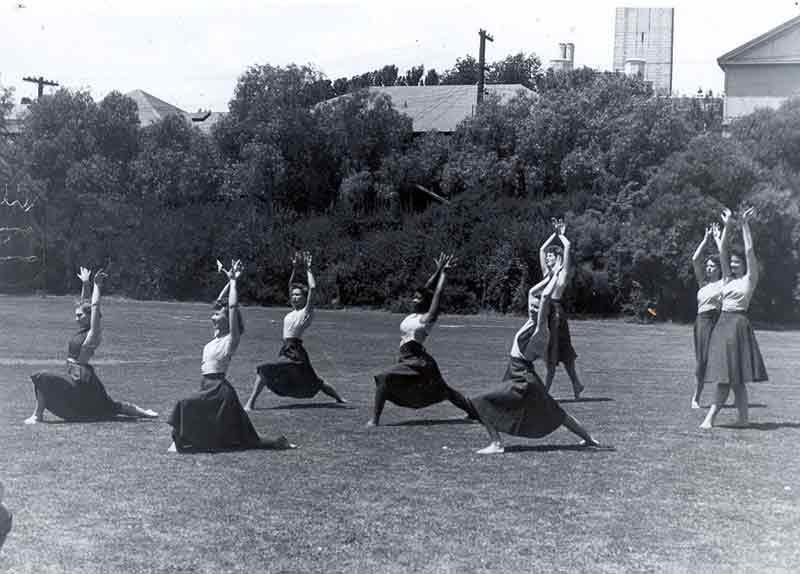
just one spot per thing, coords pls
(413, 329)
(296, 322)
(736, 294)
(709, 297)
(516, 352)
(217, 355)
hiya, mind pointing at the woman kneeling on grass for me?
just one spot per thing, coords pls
(214, 419)
(80, 396)
(415, 381)
(292, 374)
(520, 405)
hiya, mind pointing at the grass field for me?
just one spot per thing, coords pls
(410, 496)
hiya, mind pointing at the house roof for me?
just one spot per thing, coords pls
(781, 45)
(151, 109)
(441, 108)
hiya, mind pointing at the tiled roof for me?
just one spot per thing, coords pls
(441, 108)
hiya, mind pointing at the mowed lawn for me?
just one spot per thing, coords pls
(410, 496)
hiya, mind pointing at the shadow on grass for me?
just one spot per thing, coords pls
(764, 426)
(751, 405)
(587, 400)
(300, 406)
(557, 448)
(433, 422)
(97, 421)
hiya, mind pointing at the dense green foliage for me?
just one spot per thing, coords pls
(636, 177)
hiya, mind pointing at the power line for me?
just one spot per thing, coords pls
(41, 83)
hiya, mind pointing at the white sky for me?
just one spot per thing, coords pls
(191, 52)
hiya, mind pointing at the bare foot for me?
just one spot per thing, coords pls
(341, 401)
(33, 419)
(172, 447)
(594, 445)
(150, 414)
(248, 407)
(695, 404)
(578, 390)
(493, 448)
(706, 425)
(284, 443)
(371, 423)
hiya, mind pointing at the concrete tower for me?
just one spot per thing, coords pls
(643, 45)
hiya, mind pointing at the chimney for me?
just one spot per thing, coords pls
(562, 50)
(570, 54)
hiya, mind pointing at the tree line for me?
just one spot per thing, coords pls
(636, 177)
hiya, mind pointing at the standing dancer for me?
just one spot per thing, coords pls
(521, 405)
(214, 419)
(415, 381)
(80, 396)
(6, 518)
(709, 301)
(292, 375)
(559, 350)
(734, 358)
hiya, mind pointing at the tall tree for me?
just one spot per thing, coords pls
(464, 72)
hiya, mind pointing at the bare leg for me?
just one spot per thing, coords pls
(740, 399)
(577, 387)
(331, 392)
(380, 400)
(548, 377)
(461, 402)
(697, 392)
(496, 446)
(576, 427)
(258, 386)
(38, 412)
(131, 410)
(719, 400)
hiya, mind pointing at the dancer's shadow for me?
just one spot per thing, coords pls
(432, 422)
(301, 406)
(587, 400)
(97, 421)
(751, 405)
(557, 448)
(764, 426)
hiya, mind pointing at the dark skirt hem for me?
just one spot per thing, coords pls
(292, 374)
(415, 381)
(77, 397)
(734, 357)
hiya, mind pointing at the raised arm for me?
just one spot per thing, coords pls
(439, 261)
(444, 262)
(725, 243)
(543, 249)
(697, 258)
(233, 303)
(84, 275)
(561, 229)
(312, 284)
(749, 251)
(95, 328)
(295, 262)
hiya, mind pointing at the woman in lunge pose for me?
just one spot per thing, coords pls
(552, 257)
(734, 358)
(520, 405)
(292, 374)
(80, 396)
(709, 301)
(214, 419)
(415, 381)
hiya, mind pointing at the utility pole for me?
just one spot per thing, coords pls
(482, 61)
(41, 83)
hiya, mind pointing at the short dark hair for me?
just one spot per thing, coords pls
(300, 286)
(740, 254)
(426, 296)
(556, 250)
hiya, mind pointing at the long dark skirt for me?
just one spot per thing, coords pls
(78, 396)
(292, 374)
(213, 419)
(703, 327)
(520, 405)
(414, 381)
(559, 348)
(5, 523)
(733, 355)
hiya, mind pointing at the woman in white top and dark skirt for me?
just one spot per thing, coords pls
(80, 396)
(734, 358)
(292, 374)
(521, 405)
(415, 381)
(709, 302)
(213, 419)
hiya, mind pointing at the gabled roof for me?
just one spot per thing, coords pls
(441, 108)
(781, 45)
(151, 109)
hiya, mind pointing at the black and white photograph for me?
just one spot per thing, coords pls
(372, 287)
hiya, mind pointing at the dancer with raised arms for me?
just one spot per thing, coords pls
(214, 419)
(734, 358)
(709, 302)
(521, 405)
(415, 381)
(292, 374)
(560, 350)
(80, 396)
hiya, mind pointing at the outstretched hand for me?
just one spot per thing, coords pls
(100, 277)
(84, 274)
(235, 271)
(748, 214)
(307, 259)
(560, 227)
(727, 216)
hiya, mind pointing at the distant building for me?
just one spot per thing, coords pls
(566, 60)
(441, 108)
(151, 109)
(764, 72)
(643, 41)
